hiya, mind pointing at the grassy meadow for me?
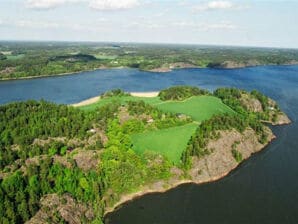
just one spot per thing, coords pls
(169, 142)
(199, 108)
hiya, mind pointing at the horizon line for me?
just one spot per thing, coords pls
(150, 43)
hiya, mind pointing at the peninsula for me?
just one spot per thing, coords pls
(78, 163)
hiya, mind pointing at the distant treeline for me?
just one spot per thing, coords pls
(41, 59)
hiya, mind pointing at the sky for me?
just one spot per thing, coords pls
(271, 23)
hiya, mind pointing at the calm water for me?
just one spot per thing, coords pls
(263, 189)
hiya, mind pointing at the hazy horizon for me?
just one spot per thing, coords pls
(243, 23)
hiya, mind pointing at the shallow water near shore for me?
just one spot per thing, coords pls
(263, 189)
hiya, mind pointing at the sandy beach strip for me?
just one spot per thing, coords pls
(144, 94)
(97, 98)
(86, 102)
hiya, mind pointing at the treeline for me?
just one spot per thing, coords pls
(114, 92)
(23, 122)
(158, 119)
(20, 193)
(123, 169)
(41, 59)
(181, 92)
(197, 145)
(232, 98)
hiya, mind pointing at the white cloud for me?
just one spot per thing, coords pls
(143, 25)
(44, 4)
(94, 4)
(113, 4)
(36, 24)
(222, 25)
(217, 5)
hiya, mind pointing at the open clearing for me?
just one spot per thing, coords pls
(169, 142)
(199, 108)
(15, 57)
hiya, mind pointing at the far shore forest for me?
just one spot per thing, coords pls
(96, 153)
(34, 59)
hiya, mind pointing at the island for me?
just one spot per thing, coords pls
(76, 163)
(24, 60)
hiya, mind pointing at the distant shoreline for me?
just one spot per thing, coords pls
(57, 75)
(97, 98)
(157, 70)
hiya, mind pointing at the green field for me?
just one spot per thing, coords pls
(199, 108)
(15, 57)
(103, 56)
(169, 142)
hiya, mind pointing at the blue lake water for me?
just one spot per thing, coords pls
(263, 189)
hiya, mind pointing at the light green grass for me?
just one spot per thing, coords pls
(199, 108)
(169, 142)
(15, 57)
(103, 56)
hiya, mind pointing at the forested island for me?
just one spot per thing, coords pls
(37, 59)
(66, 164)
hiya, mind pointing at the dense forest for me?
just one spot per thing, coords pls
(50, 149)
(27, 59)
(181, 92)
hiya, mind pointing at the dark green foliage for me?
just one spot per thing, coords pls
(208, 130)
(114, 92)
(133, 126)
(20, 194)
(2, 56)
(21, 123)
(237, 155)
(106, 113)
(123, 169)
(181, 92)
(73, 58)
(25, 121)
(230, 97)
(160, 119)
(262, 98)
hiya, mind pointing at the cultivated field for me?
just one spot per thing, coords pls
(169, 142)
(199, 108)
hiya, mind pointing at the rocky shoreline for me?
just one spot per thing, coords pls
(211, 167)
